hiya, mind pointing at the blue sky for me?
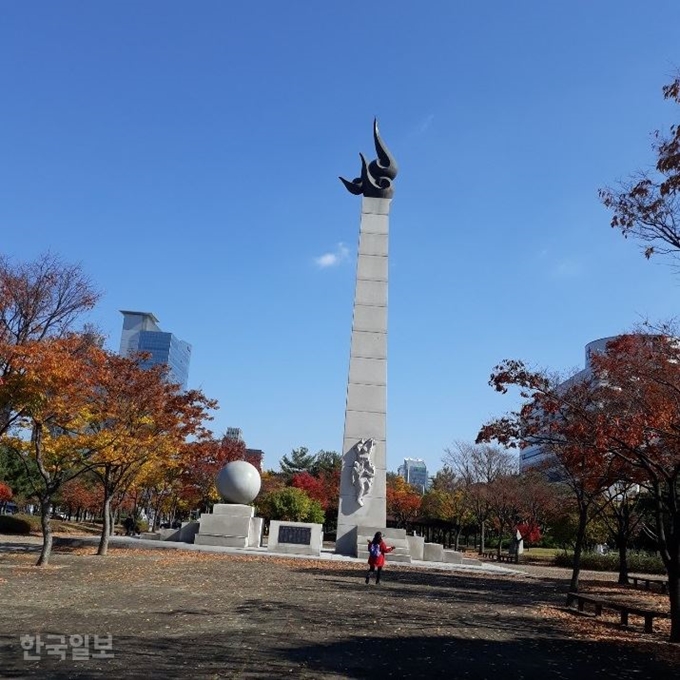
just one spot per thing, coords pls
(187, 155)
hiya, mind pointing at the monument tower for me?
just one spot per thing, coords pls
(362, 485)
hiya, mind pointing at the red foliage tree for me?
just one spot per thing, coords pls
(563, 418)
(202, 460)
(403, 501)
(648, 206)
(640, 384)
(77, 494)
(5, 493)
(312, 486)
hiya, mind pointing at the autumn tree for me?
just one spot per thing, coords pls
(560, 418)
(54, 381)
(647, 206)
(476, 466)
(142, 421)
(503, 501)
(5, 494)
(446, 503)
(38, 300)
(403, 500)
(537, 502)
(202, 461)
(311, 485)
(640, 385)
(80, 497)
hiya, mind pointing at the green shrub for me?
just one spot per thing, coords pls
(291, 505)
(14, 525)
(645, 563)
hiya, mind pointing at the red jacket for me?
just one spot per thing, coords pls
(380, 559)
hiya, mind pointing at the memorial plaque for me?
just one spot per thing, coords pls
(297, 535)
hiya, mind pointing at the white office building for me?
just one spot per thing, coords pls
(536, 455)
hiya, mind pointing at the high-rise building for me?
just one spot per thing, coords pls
(414, 471)
(142, 334)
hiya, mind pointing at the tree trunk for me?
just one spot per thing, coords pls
(106, 528)
(457, 543)
(623, 559)
(578, 548)
(481, 537)
(674, 596)
(45, 504)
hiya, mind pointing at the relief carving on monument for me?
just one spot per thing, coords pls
(363, 469)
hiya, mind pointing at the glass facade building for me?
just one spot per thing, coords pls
(141, 333)
(414, 471)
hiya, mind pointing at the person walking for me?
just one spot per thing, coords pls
(377, 549)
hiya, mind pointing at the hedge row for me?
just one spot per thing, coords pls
(644, 563)
(15, 525)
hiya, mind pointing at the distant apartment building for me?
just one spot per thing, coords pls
(141, 333)
(253, 456)
(414, 471)
(234, 433)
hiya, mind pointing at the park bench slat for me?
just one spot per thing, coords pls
(662, 583)
(624, 609)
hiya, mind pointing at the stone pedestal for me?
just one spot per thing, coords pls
(230, 526)
(366, 405)
(295, 538)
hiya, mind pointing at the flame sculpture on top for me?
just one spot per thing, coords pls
(376, 176)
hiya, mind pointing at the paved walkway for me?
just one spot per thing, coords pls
(33, 543)
(326, 554)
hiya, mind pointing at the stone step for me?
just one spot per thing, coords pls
(472, 562)
(394, 556)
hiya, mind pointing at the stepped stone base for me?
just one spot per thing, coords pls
(472, 562)
(393, 537)
(230, 526)
(433, 552)
(416, 545)
(453, 557)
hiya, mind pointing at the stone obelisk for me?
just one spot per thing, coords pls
(362, 484)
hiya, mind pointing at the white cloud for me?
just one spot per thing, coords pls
(567, 269)
(333, 259)
(424, 124)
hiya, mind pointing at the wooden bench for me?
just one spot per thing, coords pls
(662, 583)
(625, 609)
(503, 557)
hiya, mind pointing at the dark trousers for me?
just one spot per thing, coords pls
(372, 568)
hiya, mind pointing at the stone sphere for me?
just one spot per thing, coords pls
(238, 482)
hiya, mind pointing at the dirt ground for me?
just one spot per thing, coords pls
(176, 614)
